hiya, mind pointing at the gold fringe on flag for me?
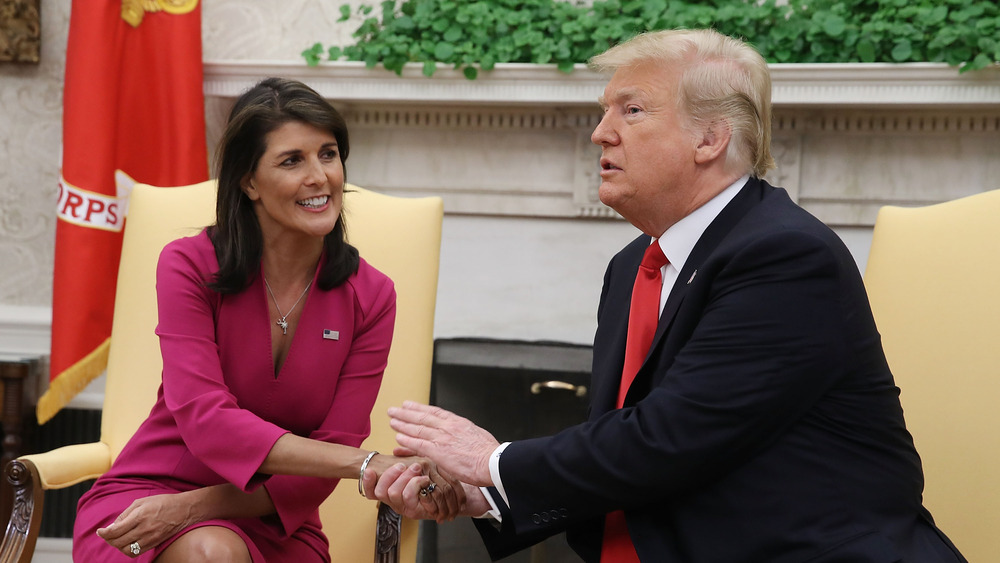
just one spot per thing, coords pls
(71, 381)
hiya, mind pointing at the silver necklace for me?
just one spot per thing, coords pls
(281, 321)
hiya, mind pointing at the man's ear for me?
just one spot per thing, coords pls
(714, 142)
(246, 184)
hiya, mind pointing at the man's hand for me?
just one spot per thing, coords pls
(456, 444)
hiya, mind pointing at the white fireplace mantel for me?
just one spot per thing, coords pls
(798, 85)
(848, 138)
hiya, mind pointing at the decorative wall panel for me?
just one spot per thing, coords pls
(265, 30)
(30, 137)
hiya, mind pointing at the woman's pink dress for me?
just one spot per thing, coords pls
(220, 407)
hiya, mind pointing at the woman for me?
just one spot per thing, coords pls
(258, 415)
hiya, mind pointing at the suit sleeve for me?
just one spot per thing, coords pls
(766, 332)
(503, 540)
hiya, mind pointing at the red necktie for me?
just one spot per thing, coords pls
(644, 313)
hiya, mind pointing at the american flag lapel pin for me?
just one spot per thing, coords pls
(331, 334)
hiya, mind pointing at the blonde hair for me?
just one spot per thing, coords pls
(721, 79)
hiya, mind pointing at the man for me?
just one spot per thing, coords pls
(762, 424)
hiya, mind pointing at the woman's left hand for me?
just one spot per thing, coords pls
(148, 522)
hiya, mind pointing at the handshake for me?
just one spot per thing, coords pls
(446, 482)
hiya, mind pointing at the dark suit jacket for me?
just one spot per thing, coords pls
(763, 427)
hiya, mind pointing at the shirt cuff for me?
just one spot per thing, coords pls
(493, 512)
(495, 473)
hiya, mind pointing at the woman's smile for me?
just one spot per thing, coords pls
(317, 203)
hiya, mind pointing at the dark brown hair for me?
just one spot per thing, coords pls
(236, 234)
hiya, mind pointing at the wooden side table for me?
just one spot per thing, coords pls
(15, 372)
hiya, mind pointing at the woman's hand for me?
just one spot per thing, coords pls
(415, 487)
(148, 522)
(399, 487)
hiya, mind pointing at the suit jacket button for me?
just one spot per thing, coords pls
(545, 517)
(536, 519)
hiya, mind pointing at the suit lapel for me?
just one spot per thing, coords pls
(609, 346)
(717, 230)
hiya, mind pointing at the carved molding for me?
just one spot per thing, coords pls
(794, 85)
(883, 85)
(387, 535)
(27, 499)
(787, 152)
(20, 478)
(456, 118)
(350, 81)
(907, 122)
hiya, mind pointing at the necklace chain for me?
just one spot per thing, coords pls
(281, 321)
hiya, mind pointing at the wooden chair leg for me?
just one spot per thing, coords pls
(19, 539)
(387, 535)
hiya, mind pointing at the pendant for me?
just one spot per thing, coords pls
(283, 324)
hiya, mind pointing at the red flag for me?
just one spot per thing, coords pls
(133, 111)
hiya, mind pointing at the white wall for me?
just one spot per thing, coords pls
(524, 279)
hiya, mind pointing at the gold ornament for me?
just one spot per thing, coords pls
(134, 10)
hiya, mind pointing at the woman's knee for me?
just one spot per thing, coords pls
(207, 544)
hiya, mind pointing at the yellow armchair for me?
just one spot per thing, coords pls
(933, 278)
(399, 236)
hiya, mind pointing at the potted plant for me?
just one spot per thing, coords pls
(477, 35)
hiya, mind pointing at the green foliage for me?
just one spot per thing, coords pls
(478, 34)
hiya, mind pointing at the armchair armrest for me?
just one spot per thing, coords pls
(30, 475)
(69, 465)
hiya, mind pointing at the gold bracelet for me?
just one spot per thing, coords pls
(361, 476)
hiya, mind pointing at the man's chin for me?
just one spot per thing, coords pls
(609, 195)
